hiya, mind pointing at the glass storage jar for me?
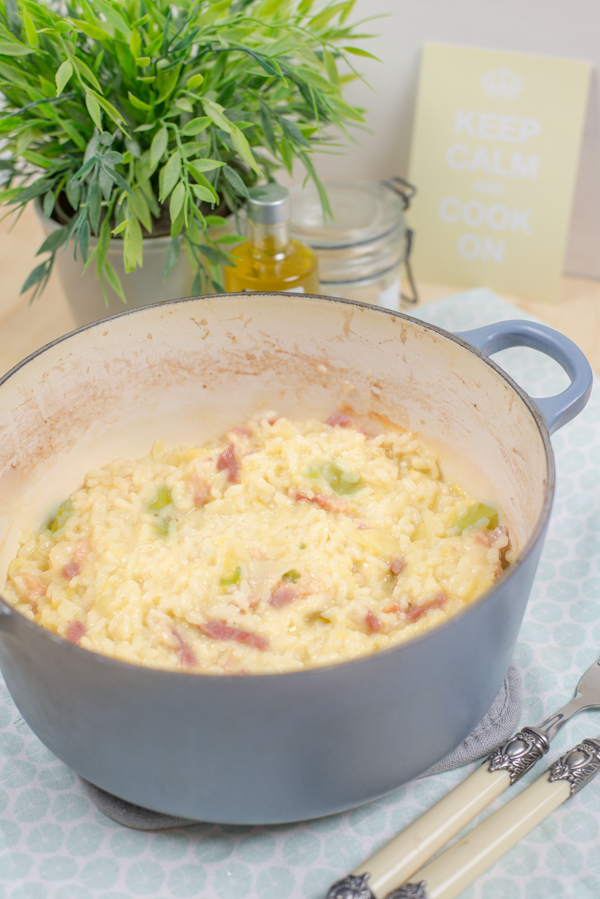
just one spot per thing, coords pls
(362, 249)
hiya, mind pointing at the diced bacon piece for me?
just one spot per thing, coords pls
(34, 587)
(71, 569)
(80, 550)
(240, 432)
(201, 491)
(325, 501)
(332, 503)
(185, 653)
(75, 631)
(34, 606)
(393, 608)
(218, 630)
(397, 565)
(230, 666)
(284, 594)
(227, 461)
(259, 554)
(418, 611)
(481, 536)
(372, 622)
(340, 419)
(497, 533)
(500, 535)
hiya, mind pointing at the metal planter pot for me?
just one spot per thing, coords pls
(272, 748)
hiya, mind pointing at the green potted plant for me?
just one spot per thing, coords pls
(140, 125)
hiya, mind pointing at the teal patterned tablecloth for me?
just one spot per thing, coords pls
(55, 845)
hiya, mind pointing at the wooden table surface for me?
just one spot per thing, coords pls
(25, 326)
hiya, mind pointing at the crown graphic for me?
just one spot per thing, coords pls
(502, 83)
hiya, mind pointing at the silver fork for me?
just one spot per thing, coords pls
(392, 865)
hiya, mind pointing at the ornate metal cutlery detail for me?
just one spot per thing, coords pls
(452, 871)
(411, 849)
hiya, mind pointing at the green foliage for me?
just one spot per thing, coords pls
(119, 108)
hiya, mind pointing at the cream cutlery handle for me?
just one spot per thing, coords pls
(452, 871)
(407, 852)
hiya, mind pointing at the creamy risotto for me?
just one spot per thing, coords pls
(285, 546)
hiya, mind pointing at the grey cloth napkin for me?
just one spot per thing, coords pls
(495, 728)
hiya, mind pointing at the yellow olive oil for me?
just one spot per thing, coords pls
(269, 260)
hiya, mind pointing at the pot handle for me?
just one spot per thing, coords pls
(556, 410)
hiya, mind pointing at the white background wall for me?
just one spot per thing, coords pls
(546, 27)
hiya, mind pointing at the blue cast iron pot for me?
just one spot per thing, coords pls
(280, 747)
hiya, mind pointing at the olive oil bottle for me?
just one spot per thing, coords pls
(269, 260)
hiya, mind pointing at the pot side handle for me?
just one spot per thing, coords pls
(556, 410)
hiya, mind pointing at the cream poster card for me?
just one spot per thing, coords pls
(494, 157)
